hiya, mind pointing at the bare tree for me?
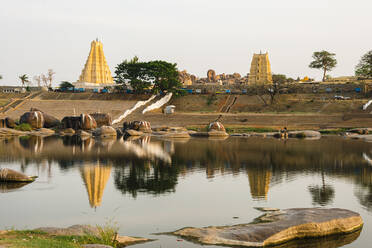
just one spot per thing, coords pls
(37, 78)
(50, 77)
(45, 80)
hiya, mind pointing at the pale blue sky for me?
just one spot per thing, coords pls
(196, 34)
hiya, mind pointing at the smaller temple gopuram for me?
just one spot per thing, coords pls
(260, 72)
(96, 72)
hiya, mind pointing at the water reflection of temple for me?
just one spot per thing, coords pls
(259, 181)
(95, 178)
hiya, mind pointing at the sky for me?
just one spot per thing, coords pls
(37, 35)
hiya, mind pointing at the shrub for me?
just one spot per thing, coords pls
(23, 127)
(106, 235)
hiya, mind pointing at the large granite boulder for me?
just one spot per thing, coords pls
(102, 119)
(304, 134)
(71, 122)
(8, 175)
(49, 120)
(7, 123)
(88, 122)
(141, 126)
(34, 118)
(105, 132)
(216, 126)
(84, 121)
(277, 227)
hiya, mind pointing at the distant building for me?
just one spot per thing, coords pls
(96, 73)
(260, 72)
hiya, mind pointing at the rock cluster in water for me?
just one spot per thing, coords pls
(278, 227)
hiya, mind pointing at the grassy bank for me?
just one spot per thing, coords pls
(40, 239)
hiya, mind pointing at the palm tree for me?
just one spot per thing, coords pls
(24, 79)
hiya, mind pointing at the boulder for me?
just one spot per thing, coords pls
(216, 126)
(119, 132)
(217, 134)
(105, 132)
(142, 126)
(88, 122)
(102, 119)
(7, 123)
(72, 122)
(34, 118)
(4, 132)
(277, 227)
(359, 130)
(304, 134)
(84, 121)
(82, 133)
(176, 135)
(67, 131)
(131, 132)
(9, 175)
(49, 120)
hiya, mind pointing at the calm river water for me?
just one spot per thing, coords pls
(149, 185)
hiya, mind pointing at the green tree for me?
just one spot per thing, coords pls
(364, 67)
(1, 77)
(65, 85)
(323, 60)
(24, 79)
(158, 75)
(164, 76)
(133, 72)
(279, 79)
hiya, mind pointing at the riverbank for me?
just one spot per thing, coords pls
(76, 236)
(295, 111)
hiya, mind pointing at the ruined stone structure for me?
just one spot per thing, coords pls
(211, 75)
(96, 71)
(186, 78)
(260, 72)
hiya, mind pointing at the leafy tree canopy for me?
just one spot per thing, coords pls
(66, 84)
(279, 79)
(155, 75)
(364, 67)
(323, 60)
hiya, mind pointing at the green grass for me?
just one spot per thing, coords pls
(334, 131)
(37, 239)
(32, 239)
(250, 130)
(23, 127)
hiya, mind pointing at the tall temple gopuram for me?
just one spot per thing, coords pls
(260, 72)
(96, 72)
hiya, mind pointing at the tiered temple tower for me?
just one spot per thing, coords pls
(96, 71)
(260, 70)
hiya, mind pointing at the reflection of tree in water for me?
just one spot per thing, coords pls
(322, 195)
(364, 191)
(145, 176)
